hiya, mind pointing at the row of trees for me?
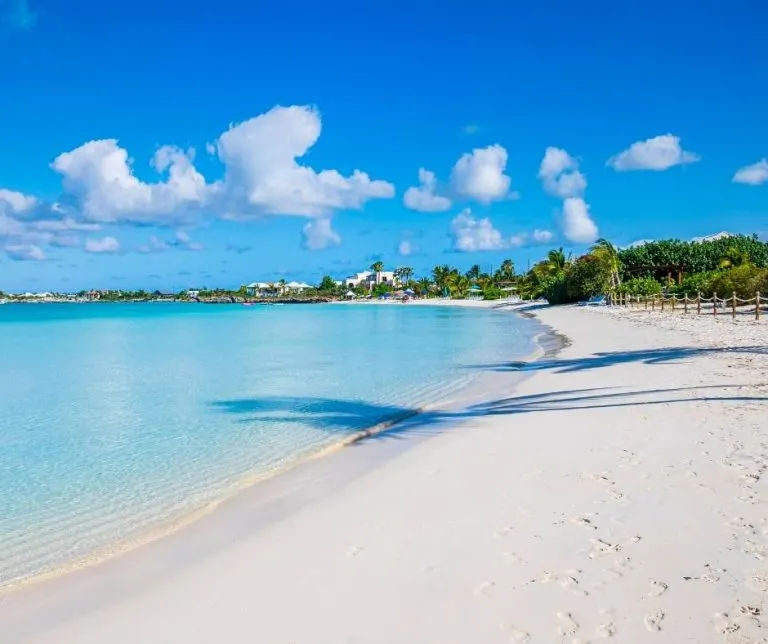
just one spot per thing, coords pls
(737, 263)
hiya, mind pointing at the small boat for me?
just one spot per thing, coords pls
(247, 303)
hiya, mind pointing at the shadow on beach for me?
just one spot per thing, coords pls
(608, 359)
(352, 417)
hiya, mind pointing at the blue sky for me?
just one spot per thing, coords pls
(536, 126)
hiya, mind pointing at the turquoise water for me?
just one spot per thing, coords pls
(115, 419)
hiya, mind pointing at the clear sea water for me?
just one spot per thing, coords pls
(118, 418)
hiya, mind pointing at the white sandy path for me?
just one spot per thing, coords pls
(617, 497)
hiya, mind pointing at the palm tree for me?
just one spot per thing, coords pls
(423, 286)
(557, 260)
(377, 267)
(404, 274)
(474, 272)
(606, 252)
(734, 257)
(440, 276)
(506, 272)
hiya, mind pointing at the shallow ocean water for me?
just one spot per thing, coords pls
(117, 418)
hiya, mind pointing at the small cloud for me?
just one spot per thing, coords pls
(537, 237)
(479, 175)
(752, 175)
(105, 245)
(578, 226)
(424, 198)
(405, 248)
(516, 241)
(25, 252)
(318, 234)
(471, 128)
(658, 153)
(560, 175)
(470, 234)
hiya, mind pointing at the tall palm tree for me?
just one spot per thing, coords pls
(377, 267)
(474, 272)
(404, 274)
(606, 252)
(440, 276)
(506, 272)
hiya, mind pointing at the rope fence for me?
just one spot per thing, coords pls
(754, 306)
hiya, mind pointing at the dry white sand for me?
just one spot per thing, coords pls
(619, 494)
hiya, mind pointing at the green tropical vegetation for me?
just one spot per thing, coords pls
(723, 266)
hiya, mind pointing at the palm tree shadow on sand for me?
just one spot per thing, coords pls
(349, 417)
(667, 355)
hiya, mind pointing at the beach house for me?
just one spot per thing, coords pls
(371, 279)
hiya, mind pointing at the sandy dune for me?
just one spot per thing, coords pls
(619, 494)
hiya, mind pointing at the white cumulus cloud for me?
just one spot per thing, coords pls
(560, 175)
(470, 234)
(319, 234)
(752, 175)
(104, 245)
(577, 224)
(99, 173)
(15, 202)
(479, 175)
(405, 248)
(657, 153)
(423, 197)
(263, 175)
(542, 236)
(25, 252)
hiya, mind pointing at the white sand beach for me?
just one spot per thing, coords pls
(617, 494)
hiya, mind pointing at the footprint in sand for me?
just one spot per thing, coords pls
(584, 522)
(658, 588)
(653, 620)
(353, 551)
(758, 583)
(518, 636)
(483, 588)
(723, 624)
(601, 548)
(567, 625)
(510, 558)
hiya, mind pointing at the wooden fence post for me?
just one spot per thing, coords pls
(714, 303)
(757, 306)
(733, 305)
(662, 301)
(653, 304)
(673, 301)
(646, 302)
(698, 303)
(685, 303)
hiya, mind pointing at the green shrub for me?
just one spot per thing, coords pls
(492, 293)
(744, 280)
(587, 276)
(555, 289)
(696, 283)
(640, 286)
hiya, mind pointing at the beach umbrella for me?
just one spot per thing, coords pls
(408, 291)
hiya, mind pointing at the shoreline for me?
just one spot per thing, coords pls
(174, 525)
(618, 494)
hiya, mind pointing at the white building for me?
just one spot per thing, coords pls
(371, 279)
